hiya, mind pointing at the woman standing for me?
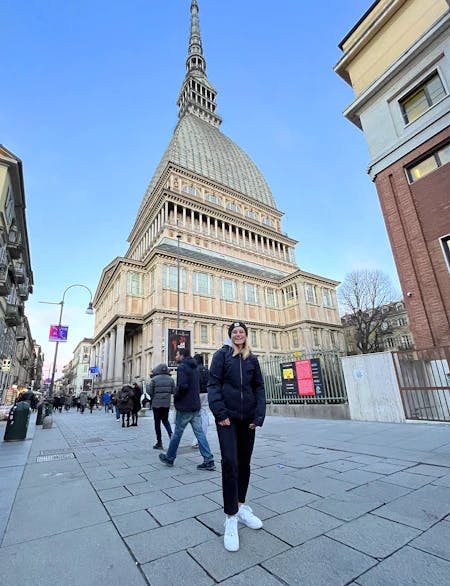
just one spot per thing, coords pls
(238, 402)
(161, 388)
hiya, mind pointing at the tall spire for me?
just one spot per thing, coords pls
(197, 95)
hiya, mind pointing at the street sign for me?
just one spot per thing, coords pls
(6, 364)
(94, 370)
(58, 333)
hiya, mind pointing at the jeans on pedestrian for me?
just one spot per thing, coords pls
(236, 446)
(116, 408)
(161, 414)
(181, 420)
(204, 411)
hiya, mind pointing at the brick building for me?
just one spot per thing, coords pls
(397, 59)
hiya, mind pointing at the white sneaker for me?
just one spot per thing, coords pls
(231, 536)
(194, 445)
(245, 515)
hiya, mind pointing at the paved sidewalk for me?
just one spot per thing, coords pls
(343, 502)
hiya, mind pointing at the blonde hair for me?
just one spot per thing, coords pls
(245, 351)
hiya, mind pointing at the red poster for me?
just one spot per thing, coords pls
(305, 381)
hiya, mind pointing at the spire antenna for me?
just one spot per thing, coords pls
(197, 95)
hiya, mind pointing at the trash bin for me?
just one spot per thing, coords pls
(17, 423)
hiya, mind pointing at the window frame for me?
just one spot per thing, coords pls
(197, 286)
(421, 87)
(251, 299)
(135, 284)
(445, 245)
(435, 155)
(233, 287)
(268, 290)
(167, 271)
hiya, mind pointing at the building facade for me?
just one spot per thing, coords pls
(393, 332)
(207, 247)
(397, 59)
(16, 278)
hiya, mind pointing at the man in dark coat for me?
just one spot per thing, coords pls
(187, 405)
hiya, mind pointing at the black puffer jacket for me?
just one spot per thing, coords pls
(161, 387)
(187, 391)
(236, 387)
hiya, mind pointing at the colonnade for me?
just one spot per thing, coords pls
(109, 353)
(180, 216)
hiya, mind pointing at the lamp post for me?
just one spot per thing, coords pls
(178, 279)
(89, 311)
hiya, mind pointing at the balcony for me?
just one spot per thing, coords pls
(13, 243)
(21, 333)
(5, 283)
(23, 291)
(19, 272)
(12, 315)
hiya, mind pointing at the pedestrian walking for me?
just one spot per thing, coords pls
(187, 405)
(92, 400)
(107, 401)
(82, 401)
(161, 389)
(115, 404)
(204, 407)
(237, 400)
(125, 401)
(136, 404)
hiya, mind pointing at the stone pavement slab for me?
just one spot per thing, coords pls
(373, 535)
(408, 566)
(436, 540)
(320, 562)
(176, 568)
(88, 556)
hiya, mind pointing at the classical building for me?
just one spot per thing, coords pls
(207, 248)
(397, 60)
(393, 332)
(16, 277)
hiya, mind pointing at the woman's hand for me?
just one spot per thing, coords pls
(224, 422)
(252, 426)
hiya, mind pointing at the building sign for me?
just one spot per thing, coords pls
(58, 333)
(177, 339)
(302, 378)
(94, 370)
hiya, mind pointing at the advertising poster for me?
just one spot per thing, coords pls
(288, 379)
(58, 333)
(305, 383)
(302, 378)
(177, 339)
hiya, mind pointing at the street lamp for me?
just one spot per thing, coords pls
(178, 279)
(89, 311)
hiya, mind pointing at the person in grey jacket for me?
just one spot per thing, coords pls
(160, 389)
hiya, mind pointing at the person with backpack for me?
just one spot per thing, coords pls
(187, 405)
(204, 410)
(161, 389)
(125, 402)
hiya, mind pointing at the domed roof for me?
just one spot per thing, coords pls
(198, 146)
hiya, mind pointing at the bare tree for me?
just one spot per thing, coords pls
(362, 295)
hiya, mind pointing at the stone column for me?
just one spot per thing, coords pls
(111, 354)
(118, 358)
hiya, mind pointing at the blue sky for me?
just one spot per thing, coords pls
(89, 104)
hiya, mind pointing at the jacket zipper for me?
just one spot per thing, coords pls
(242, 390)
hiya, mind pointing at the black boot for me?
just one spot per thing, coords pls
(158, 446)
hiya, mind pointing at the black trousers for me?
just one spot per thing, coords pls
(161, 414)
(236, 447)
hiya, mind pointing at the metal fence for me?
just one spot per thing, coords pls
(333, 378)
(424, 382)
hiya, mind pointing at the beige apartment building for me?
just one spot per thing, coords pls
(207, 247)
